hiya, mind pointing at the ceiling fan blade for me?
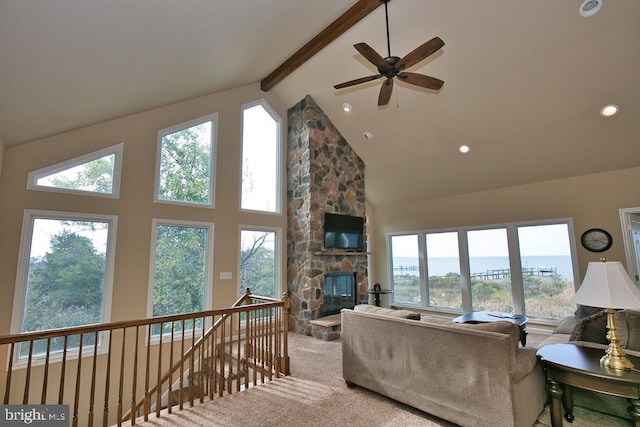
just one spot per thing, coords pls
(385, 92)
(371, 55)
(419, 53)
(357, 81)
(421, 80)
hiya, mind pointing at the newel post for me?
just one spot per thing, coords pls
(284, 360)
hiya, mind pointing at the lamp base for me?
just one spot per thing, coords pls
(614, 358)
(616, 362)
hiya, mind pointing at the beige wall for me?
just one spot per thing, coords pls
(591, 200)
(135, 208)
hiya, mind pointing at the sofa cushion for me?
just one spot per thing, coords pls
(566, 326)
(556, 339)
(402, 314)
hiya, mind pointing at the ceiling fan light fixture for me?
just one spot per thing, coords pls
(590, 7)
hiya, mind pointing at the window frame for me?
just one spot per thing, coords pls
(20, 293)
(116, 150)
(279, 162)
(213, 118)
(277, 245)
(208, 274)
(517, 289)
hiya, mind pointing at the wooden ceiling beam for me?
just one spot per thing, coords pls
(338, 27)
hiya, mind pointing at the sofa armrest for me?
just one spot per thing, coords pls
(525, 363)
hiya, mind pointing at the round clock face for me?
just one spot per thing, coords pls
(596, 240)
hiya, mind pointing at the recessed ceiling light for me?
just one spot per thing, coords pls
(346, 106)
(609, 110)
(464, 148)
(368, 136)
(590, 7)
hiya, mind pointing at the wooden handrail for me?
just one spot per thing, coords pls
(251, 335)
(103, 327)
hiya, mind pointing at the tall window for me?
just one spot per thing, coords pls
(185, 167)
(523, 268)
(96, 173)
(65, 274)
(490, 270)
(260, 158)
(181, 268)
(259, 261)
(545, 254)
(443, 270)
(405, 269)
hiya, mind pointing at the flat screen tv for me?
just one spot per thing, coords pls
(343, 232)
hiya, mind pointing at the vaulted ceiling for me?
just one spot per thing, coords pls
(524, 81)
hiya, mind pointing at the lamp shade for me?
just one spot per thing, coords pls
(607, 284)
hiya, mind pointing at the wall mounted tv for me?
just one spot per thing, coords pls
(343, 232)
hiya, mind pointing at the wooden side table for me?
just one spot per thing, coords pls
(570, 365)
(377, 292)
(494, 316)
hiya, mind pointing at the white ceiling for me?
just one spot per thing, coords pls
(524, 81)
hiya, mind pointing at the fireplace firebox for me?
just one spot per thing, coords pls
(339, 292)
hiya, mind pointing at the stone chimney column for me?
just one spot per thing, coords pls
(324, 174)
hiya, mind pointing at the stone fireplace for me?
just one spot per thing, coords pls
(324, 174)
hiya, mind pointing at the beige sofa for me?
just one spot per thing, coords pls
(471, 375)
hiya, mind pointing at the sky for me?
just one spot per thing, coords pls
(44, 229)
(534, 240)
(259, 141)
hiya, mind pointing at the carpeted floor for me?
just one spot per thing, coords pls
(315, 396)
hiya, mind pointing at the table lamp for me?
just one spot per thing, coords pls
(607, 285)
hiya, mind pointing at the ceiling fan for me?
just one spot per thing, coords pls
(393, 66)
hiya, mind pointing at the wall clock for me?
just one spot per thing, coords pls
(596, 240)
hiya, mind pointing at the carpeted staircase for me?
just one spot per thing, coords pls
(227, 370)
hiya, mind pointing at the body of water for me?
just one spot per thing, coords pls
(442, 266)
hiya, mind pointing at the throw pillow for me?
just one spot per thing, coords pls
(593, 328)
(584, 311)
(633, 330)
